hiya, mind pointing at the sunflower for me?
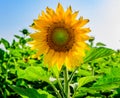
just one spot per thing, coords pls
(60, 37)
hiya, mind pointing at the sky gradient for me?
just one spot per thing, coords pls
(16, 15)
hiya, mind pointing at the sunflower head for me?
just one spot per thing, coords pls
(60, 36)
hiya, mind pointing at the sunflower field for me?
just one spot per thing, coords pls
(24, 76)
(58, 60)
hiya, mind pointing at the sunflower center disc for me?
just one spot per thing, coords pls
(60, 36)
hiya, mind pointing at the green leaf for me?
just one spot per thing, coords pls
(44, 92)
(31, 93)
(109, 81)
(15, 52)
(22, 40)
(84, 80)
(33, 73)
(100, 44)
(83, 92)
(96, 53)
(18, 37)
(84, 72)
(1, 54)
(5, 43)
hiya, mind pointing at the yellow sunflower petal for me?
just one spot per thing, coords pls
(50, 11)
(68, 16)
(61, 60)
(55, 58)
(59, 9)
(68, 61)
(47, 58)
(74, 15)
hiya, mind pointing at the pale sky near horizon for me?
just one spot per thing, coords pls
(16, 15)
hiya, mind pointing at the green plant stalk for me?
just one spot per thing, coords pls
(59, 84)
(73, 96)
(55, 89)
(61, 87)
(66, 83)
(75, 91)
(70, 79)
(93, 72)
(71, 76)
(5, 94)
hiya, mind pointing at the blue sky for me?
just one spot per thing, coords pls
(16, 15)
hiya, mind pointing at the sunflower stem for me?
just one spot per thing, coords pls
(61, 87)
(71, 76)
(66, 83)
(55, 89)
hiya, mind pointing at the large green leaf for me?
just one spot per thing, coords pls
(44, 92)
(85, 71)
(81, 90)
(96, 53)
(84, 92)
(84, 80)
(5, 43)
(31, 93)
(109, 81)
(33, 73)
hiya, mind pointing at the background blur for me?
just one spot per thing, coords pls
(16, 15)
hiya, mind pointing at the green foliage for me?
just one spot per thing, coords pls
(33, 73)
(30, 92)
(5, 43)
(21, 75)
(84, 80)
(108, 81)
(96, 53)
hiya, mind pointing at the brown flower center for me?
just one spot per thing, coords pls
(60, 38)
